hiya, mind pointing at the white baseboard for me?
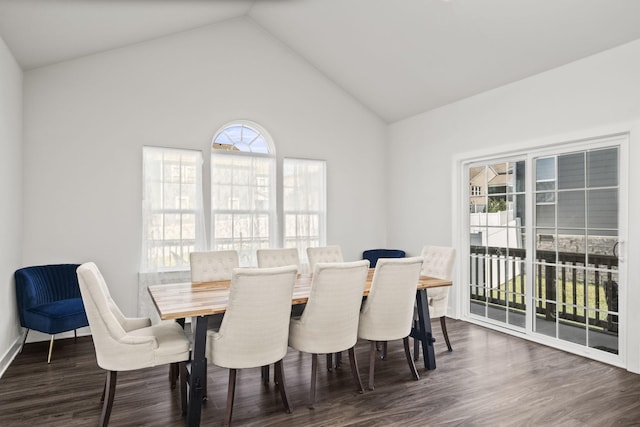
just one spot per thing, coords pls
(10, 354)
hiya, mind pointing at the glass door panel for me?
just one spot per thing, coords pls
(497, 207)
(576, 223)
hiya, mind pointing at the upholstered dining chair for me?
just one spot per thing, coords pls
(255, 328)
(49, 300)
(329, 323)
(374, 254)
(124, 344)
(212, 266)
(278, 257)
(315, 255)
(324, 254)
(438, 263)
(387, 314)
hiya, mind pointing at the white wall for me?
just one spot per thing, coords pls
(86, 122)
(598, 91)
(11, 191)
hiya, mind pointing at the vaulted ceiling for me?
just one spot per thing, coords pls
(397, 57)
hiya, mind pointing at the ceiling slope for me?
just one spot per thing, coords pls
(396, 57)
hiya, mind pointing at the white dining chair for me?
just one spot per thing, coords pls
(124, 344)
(315, 255)
(278, 257)
(329, 323)
(438, 263)
(324, 254)
(211, 266)
(387, 313)
(255, 328)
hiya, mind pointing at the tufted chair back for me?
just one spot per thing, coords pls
(278, 257)
(438, 263)
(387, 314)
(329, 323)
(212, 266)
(324, 254)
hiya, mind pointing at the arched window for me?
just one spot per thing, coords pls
(243, 196)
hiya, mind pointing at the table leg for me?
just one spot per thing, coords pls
(198, 371)
(423, 330)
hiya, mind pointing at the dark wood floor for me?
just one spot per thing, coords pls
(490, 379)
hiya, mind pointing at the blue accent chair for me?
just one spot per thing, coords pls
(374, 254)
(49, 300)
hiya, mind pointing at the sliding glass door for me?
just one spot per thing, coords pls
(543, 241)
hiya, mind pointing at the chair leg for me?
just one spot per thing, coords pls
(182, 366)
(173, 374)
(330, 362)
(383, 356)
(50, 349)
(230, 396)
(443, 324)
(24, 340)
(312, 390)
(412, 366)
(110, 391)
(279, 378)
(265, 374)
(372, 363)
(354, 369)
(338, 359)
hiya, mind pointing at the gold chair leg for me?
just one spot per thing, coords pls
(50, 349)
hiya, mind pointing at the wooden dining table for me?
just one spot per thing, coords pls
(198, 301)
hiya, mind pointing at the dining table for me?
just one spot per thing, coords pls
(199, 300)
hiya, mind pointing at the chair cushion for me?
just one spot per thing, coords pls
(56, 317)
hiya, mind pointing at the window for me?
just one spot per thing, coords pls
(172, 215)
(304, 205)
(243, 196)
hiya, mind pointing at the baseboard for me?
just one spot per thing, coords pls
(10, 354)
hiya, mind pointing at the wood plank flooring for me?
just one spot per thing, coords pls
(490, 379)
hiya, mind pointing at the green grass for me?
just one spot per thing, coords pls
(514, 291)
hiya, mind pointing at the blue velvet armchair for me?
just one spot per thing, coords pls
(49, 300)
(373, 254)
